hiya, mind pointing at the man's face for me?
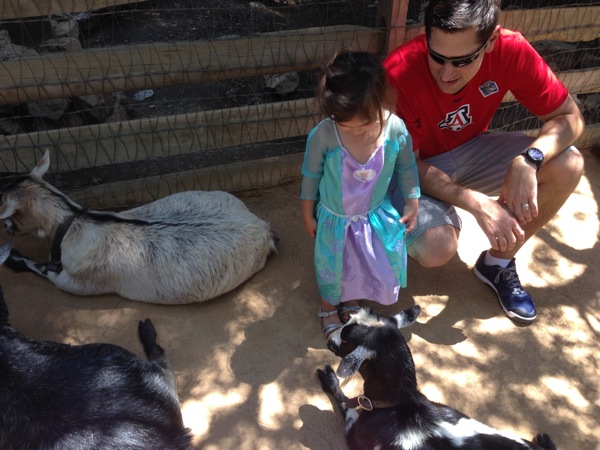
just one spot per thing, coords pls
(462, 45)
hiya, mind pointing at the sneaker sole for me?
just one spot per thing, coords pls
(511, 315)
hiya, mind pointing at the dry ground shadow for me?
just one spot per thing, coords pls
(245, 362)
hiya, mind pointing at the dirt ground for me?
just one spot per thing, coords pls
(245, 362)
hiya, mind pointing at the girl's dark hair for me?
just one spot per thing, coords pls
(458, 15)
(354, 83)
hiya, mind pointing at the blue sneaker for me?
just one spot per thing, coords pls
(515, 301)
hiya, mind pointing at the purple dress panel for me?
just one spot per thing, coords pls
(366, 269)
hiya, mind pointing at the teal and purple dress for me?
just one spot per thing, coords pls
(360, 251)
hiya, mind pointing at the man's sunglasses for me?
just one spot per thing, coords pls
(461, 61)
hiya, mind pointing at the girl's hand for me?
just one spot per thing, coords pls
(411, 208)
(310, 225)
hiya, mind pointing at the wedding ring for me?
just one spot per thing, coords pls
(525, 205)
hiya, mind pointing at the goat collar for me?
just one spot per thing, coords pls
(55, 265)
(364, 402)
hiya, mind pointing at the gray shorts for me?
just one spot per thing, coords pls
(480, 164)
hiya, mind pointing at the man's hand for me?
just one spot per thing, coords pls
(499, 224)
(519, 190)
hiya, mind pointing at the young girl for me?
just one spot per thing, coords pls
(349, 162)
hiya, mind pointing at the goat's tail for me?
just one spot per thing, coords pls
(544, 441)
(153, 351)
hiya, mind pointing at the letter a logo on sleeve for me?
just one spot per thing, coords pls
(456, 120)
(488, 88)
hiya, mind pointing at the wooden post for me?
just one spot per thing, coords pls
(391, 15)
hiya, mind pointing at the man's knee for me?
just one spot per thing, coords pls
(575, 163)
(566, 167)
(435, 247)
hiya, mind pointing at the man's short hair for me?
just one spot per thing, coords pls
(458, 15)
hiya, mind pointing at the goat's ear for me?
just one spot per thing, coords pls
(352, 362)
(42, 166)
(408, 316)
(4, 253)
(8, 208)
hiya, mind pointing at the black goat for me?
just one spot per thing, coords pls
(94, 396)
(394, 414)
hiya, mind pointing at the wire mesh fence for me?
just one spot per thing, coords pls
(136, 100)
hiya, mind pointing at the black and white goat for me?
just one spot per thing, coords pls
(97, 396)
(184, 248)
(393, 413)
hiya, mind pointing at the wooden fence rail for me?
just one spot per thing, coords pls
(539, 24)
(142, 139)
(20, 9)
(136, 67)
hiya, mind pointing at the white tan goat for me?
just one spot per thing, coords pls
(184, 248)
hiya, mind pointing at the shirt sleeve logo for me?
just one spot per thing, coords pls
(488, 88)
(456, 120)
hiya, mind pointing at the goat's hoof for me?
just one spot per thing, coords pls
(328, 379)
(544, 441)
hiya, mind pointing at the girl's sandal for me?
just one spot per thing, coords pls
(330, 328)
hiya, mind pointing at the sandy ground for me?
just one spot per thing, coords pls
(245, 362)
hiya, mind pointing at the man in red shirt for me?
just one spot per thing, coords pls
(449, 83)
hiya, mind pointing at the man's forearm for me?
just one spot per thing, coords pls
(560, 129)
(435, 183)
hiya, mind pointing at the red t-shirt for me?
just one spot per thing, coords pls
(440, 122)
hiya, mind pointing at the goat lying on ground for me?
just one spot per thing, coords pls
(96, 396)
(184, 248)
(395, 415)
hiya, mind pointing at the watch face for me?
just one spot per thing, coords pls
(535, 154)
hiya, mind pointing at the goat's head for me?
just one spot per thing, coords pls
(24, 200)
(368, 337)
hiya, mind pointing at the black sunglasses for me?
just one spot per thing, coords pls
(461, 61)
